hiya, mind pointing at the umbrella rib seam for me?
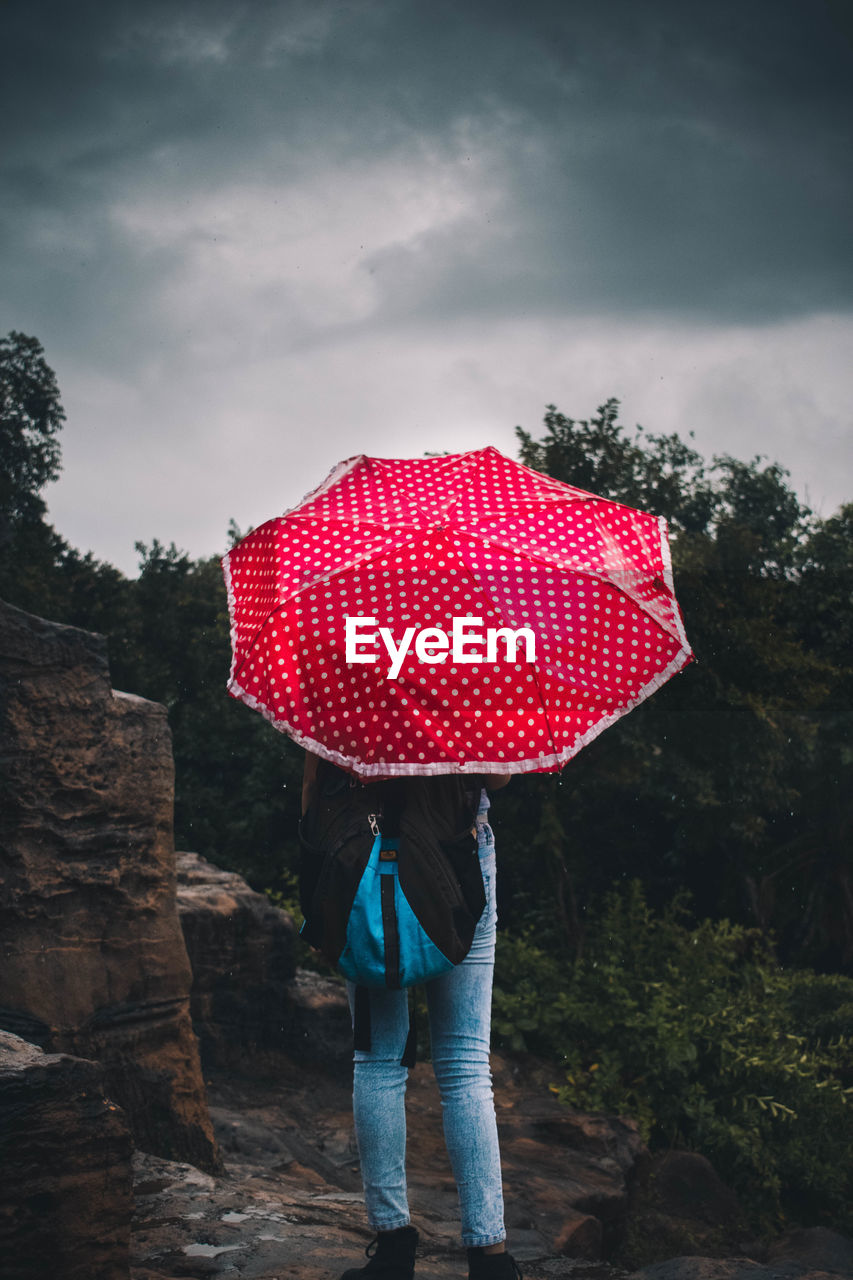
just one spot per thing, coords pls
(530, 665)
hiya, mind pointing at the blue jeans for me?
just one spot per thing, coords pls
(460, 1007)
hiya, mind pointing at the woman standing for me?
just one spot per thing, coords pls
(459, 1004)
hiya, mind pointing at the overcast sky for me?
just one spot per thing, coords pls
(256, 238)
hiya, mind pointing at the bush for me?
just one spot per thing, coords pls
(700, 1036)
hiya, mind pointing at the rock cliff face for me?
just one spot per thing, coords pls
(92, 958)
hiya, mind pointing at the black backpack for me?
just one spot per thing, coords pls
(390, 882)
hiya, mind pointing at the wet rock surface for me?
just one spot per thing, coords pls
(818, 1247)
(65, 1174)
(290, 1203)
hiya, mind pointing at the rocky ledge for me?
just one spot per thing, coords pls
(290, 1204)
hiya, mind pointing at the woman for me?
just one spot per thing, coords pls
(459, 1004)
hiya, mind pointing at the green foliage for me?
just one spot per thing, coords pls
(699, 1035)
(286, 897)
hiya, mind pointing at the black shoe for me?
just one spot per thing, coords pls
(492, 1266)
(391, 1254)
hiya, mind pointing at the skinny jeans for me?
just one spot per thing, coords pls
(459, 1004)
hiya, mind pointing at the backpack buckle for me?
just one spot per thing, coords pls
(373, 820)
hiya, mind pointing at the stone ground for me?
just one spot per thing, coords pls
(290, 1201)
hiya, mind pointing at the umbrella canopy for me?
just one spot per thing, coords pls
(457, 613)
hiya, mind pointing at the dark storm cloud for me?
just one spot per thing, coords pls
(323, 226)
(668, 157)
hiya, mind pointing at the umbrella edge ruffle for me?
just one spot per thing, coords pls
(541, 763)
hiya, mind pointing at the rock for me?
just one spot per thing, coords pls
(241, 951)
(613, 1138)
(698, 1268)
(577, 1168)
(680, 1206)
(249, 1003)
(687, 1186)
(93, 961)
(803, 1253)
(66, 1190)
(290, 1203)
(317, 1022)
(816, 1247)
(581, 1236)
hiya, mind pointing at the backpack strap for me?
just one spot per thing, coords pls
(361, 1020)
(361, 1037)
(410, 1053)
(393, 796)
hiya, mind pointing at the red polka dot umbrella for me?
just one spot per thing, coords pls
(459, 613)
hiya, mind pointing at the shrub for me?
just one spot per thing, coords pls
(700, 1036)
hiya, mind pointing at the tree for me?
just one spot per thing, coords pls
(237, 781)
(31, 416)
(657, 472)
(716, 783)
